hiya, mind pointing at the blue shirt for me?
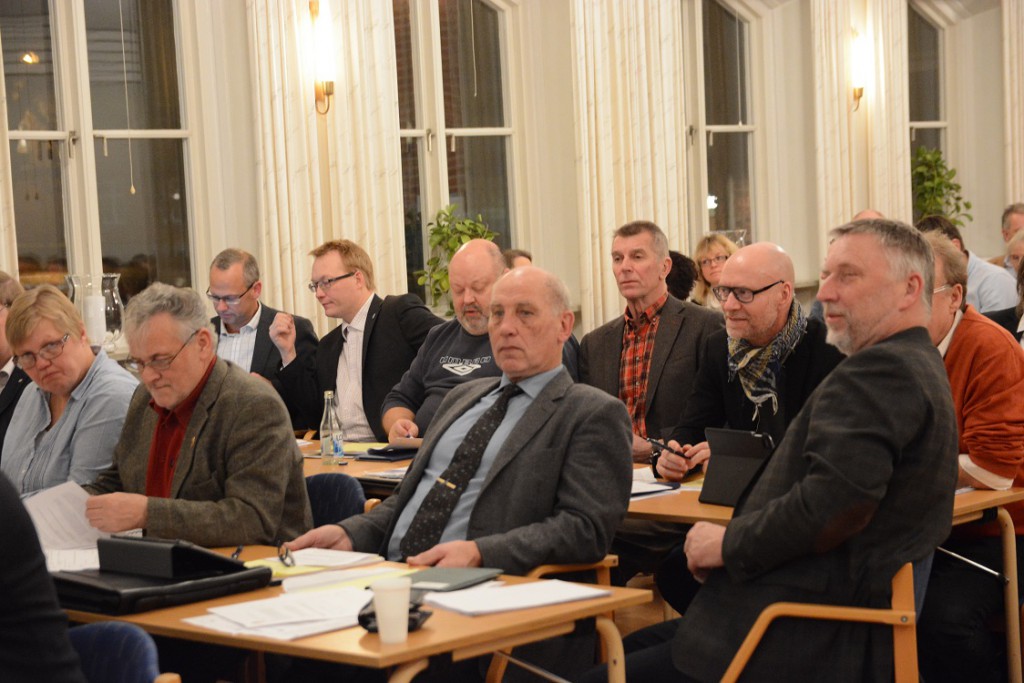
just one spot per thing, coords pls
(81, 444)
(444, 451)
(989, 287)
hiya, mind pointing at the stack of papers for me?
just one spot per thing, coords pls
(648, 489)
(290, 616)
(487, 600)
(352, 578)
(314, 560)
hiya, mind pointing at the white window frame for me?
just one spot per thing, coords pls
(939, 23)
(434, 138)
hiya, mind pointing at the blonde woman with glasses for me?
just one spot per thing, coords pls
(711, 254)
(70, 416)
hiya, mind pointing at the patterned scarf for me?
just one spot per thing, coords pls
(759, 367)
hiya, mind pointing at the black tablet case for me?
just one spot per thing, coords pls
(736, 459)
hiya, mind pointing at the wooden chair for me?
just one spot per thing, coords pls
(901, 616)
(603, 577)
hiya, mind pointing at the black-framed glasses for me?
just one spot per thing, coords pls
(158, 364)
(27, 361)
(721, 258)
(322, 285)
(230, 299)
(742, 294)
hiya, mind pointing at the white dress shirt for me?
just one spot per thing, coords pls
(237, 347)
(349, 386)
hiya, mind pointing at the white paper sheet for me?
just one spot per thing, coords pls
(514, 597)
(324, 557)
(71, 559)
(295, 608)
(58, 514)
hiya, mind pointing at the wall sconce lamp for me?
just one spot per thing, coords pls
(323, 60)
(858, 68)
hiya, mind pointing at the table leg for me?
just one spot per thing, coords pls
(611, 640)
(1010, 596)
(404, 673)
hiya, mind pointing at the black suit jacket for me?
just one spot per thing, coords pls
(12, 391)
(717, 401)
(1008, 318)
(681, 335)
(395, 329)
(266, 359)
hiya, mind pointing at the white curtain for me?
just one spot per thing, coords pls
(630, 141)
(830, 30)
(1013, 84)
(889, 122)
(330, 178)
(8, 243)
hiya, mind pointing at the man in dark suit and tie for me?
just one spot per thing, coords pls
(516, 471)
(361, 359)
(245, 326)
(861, 484)
(13, 379)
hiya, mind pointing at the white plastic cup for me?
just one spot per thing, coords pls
(391, 603)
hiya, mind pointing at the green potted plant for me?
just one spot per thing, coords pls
(936, 192)
(446, 234)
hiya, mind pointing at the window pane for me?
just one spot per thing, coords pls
(925, 84)
(412, 203)
(39, 212)
(471, 60)
(148, 56)
(144, 235)
(725, 66)
(478, 182)
(28, 65)
(729, 184)
(926, 137)
(403, 54)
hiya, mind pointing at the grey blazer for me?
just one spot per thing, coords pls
(683, 328)
(556, 492)
(238, 480)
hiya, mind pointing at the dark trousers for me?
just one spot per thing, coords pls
(675, 582)
(955, 642)
(648, 657)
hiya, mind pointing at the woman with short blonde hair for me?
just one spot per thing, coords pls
(69, 418)
(710, 255)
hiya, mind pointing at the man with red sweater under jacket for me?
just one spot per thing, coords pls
(986, 373)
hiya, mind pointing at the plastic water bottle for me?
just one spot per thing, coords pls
(332, 439)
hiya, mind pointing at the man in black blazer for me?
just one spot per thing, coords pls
(389, 332)
(245, 326)
(862, 483)
(13, 379)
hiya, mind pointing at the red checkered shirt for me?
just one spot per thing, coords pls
(635, 364)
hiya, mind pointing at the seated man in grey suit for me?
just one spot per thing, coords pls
(861, 484)
(458, 350)
(649, 356)
(547, 482)
(245, 327)
(192, 463)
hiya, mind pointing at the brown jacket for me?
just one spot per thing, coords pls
(238, 479)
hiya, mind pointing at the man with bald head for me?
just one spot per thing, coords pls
(755, 375)
(456, 351)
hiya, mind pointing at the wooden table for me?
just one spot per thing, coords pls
(461, 636)
(684, 508)
(363, 470)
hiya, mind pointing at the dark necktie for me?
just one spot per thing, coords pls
(430, 520)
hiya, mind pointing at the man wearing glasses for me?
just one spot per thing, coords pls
(192, 463)
(361, 359)
(246, 328)
(754, 375)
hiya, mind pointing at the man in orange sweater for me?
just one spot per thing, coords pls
(986, 373)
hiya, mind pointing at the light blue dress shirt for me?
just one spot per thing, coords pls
(989, 287)
(444, 451)
(81, 444)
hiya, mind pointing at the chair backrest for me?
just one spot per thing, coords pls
(334, 496)
(115, 652)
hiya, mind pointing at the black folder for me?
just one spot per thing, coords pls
(141, 574)
(736, 459)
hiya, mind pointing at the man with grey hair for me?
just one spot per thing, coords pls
(861, 484)
(191, 462)
(457, 351)
(247, 328)
(647, 357)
